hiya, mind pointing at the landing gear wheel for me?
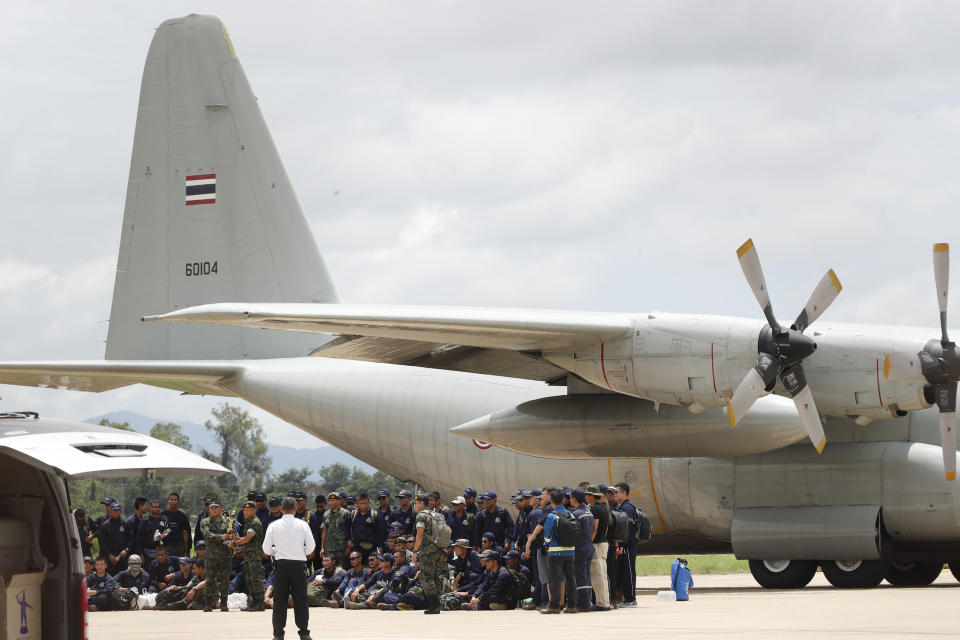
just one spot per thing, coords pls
(855, 574)
(955, 569)
(913, 574)
(783, 574)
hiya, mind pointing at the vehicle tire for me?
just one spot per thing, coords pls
(855, 574)
(913, 574)
(783, 574)
(955, 569)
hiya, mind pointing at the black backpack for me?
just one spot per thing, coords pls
(621, 525)
(568, 530)
(521, 588)
(644, 530)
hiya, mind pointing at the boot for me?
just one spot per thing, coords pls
(434, 602)
(255, 604)
(223, 605)
(208, 608)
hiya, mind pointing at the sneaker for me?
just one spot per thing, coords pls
(531, 606)
(403, 606)
(355, 605)
(569, 610)
(597, 607)
(632, 604)
(466, 606)
(330, 604)
(383, 606)
(549, 610)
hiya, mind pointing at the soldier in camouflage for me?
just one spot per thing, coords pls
(195, 597)
(433, 559)
(219, 535)
(252, 553)
(335, 530)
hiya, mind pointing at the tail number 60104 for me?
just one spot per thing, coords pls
(205, 268)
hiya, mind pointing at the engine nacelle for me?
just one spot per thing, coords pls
(617, 426)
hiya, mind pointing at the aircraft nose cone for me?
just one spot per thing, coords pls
(476, 429)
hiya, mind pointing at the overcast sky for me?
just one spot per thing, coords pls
(606, 156)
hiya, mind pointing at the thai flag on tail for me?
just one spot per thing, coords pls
(201, 189)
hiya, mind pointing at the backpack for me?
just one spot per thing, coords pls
(643, 529)
(568, 530)
(123, 600)
(621, 525)
(521, 588)
(169, 596)
(680, 579)
(440, 530)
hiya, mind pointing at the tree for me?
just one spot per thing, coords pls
(242, 449)
(172, 433)
(125, 426)
(289, 480)
(335, 476)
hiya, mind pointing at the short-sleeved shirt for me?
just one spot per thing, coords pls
(253, 547)
(337, 525)
(601, 514)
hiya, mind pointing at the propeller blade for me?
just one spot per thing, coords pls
(750, 263)
(823, 295)
(758, 380)
(810, 418)
(941, 273)
(948, 442)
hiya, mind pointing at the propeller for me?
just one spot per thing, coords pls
(781, 350)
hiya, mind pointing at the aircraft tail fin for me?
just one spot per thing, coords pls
(210, 213)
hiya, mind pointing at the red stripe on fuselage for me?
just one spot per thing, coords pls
(205, 176)
(210, 201)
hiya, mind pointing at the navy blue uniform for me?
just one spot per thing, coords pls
(103, 585)
(468, 567)
(197, 534)
(159, 571)
(405, 518)
(495, 587)
(132, 523)
(145, 534)
(627, 564)
(460, 527)
(367, 531)
(583, 554)
(114, 537)
(142, 583)
(499, 523)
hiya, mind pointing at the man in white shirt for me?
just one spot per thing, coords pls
(290, 542)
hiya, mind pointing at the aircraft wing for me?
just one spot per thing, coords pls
(529, 330)
(190, 377)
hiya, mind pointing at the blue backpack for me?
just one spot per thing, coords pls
(680, 579)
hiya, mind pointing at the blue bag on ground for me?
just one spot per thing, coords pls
(680, 579)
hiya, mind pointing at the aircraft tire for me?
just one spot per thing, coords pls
(955, 569)
(783, 574)
(913, 574)
(855, 574)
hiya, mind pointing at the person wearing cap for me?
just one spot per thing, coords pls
(487, 541)
(251, 544)
(459, 521)
(290, 542)
(560, 559)
(133, 524)
(250, 496)
(195, 596)
(116, 540)
(377, 584)
(85, 529)
(466, 564)
(206, 499)
(433, 559)
(201, 549)
(219, 535)
(106, 502)
(521, 527)
(263, 510)
(493, 519)
(536, 551)
(367, 530)
(181, 576)
(87, 565)
(494, 591)
(598, 563)
(404, 576)
(383, 500)
(335, 530)
(470, 499)
(152, 531)
(302, 512)
(512, 560)
(352, 579)
(583, 550)
(273, 514)
(178, 540)
(613, 555)
(404, 514)
(100, 584)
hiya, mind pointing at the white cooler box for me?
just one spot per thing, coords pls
(20, 613)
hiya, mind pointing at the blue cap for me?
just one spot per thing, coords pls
(530, 493)
(275, 502)
(602, 487)
(185, 560)
(488, 535)
(260, 496)
(108, 500)
(201, 543)
(342, 495)
(513, 553)
(351, 500)
(579, 494)
(491, 494)
(383, 493)
(404, 494)
(115, 505)
(469, 492)
(386, 557)
(88, 559)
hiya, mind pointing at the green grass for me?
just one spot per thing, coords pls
(660, 565)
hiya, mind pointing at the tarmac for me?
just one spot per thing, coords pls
(720, 606)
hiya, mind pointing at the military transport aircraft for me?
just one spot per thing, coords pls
(213, 233)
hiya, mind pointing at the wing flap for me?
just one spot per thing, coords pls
(511, 329)
(200, 377)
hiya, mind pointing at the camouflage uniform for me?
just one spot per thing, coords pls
(253, 560)
(433, 559)
(335, 523)
(198, 596)
(218, 560)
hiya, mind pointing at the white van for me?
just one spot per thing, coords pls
(37, 456)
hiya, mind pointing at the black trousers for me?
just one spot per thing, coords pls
(289, 579)
(561, 572)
